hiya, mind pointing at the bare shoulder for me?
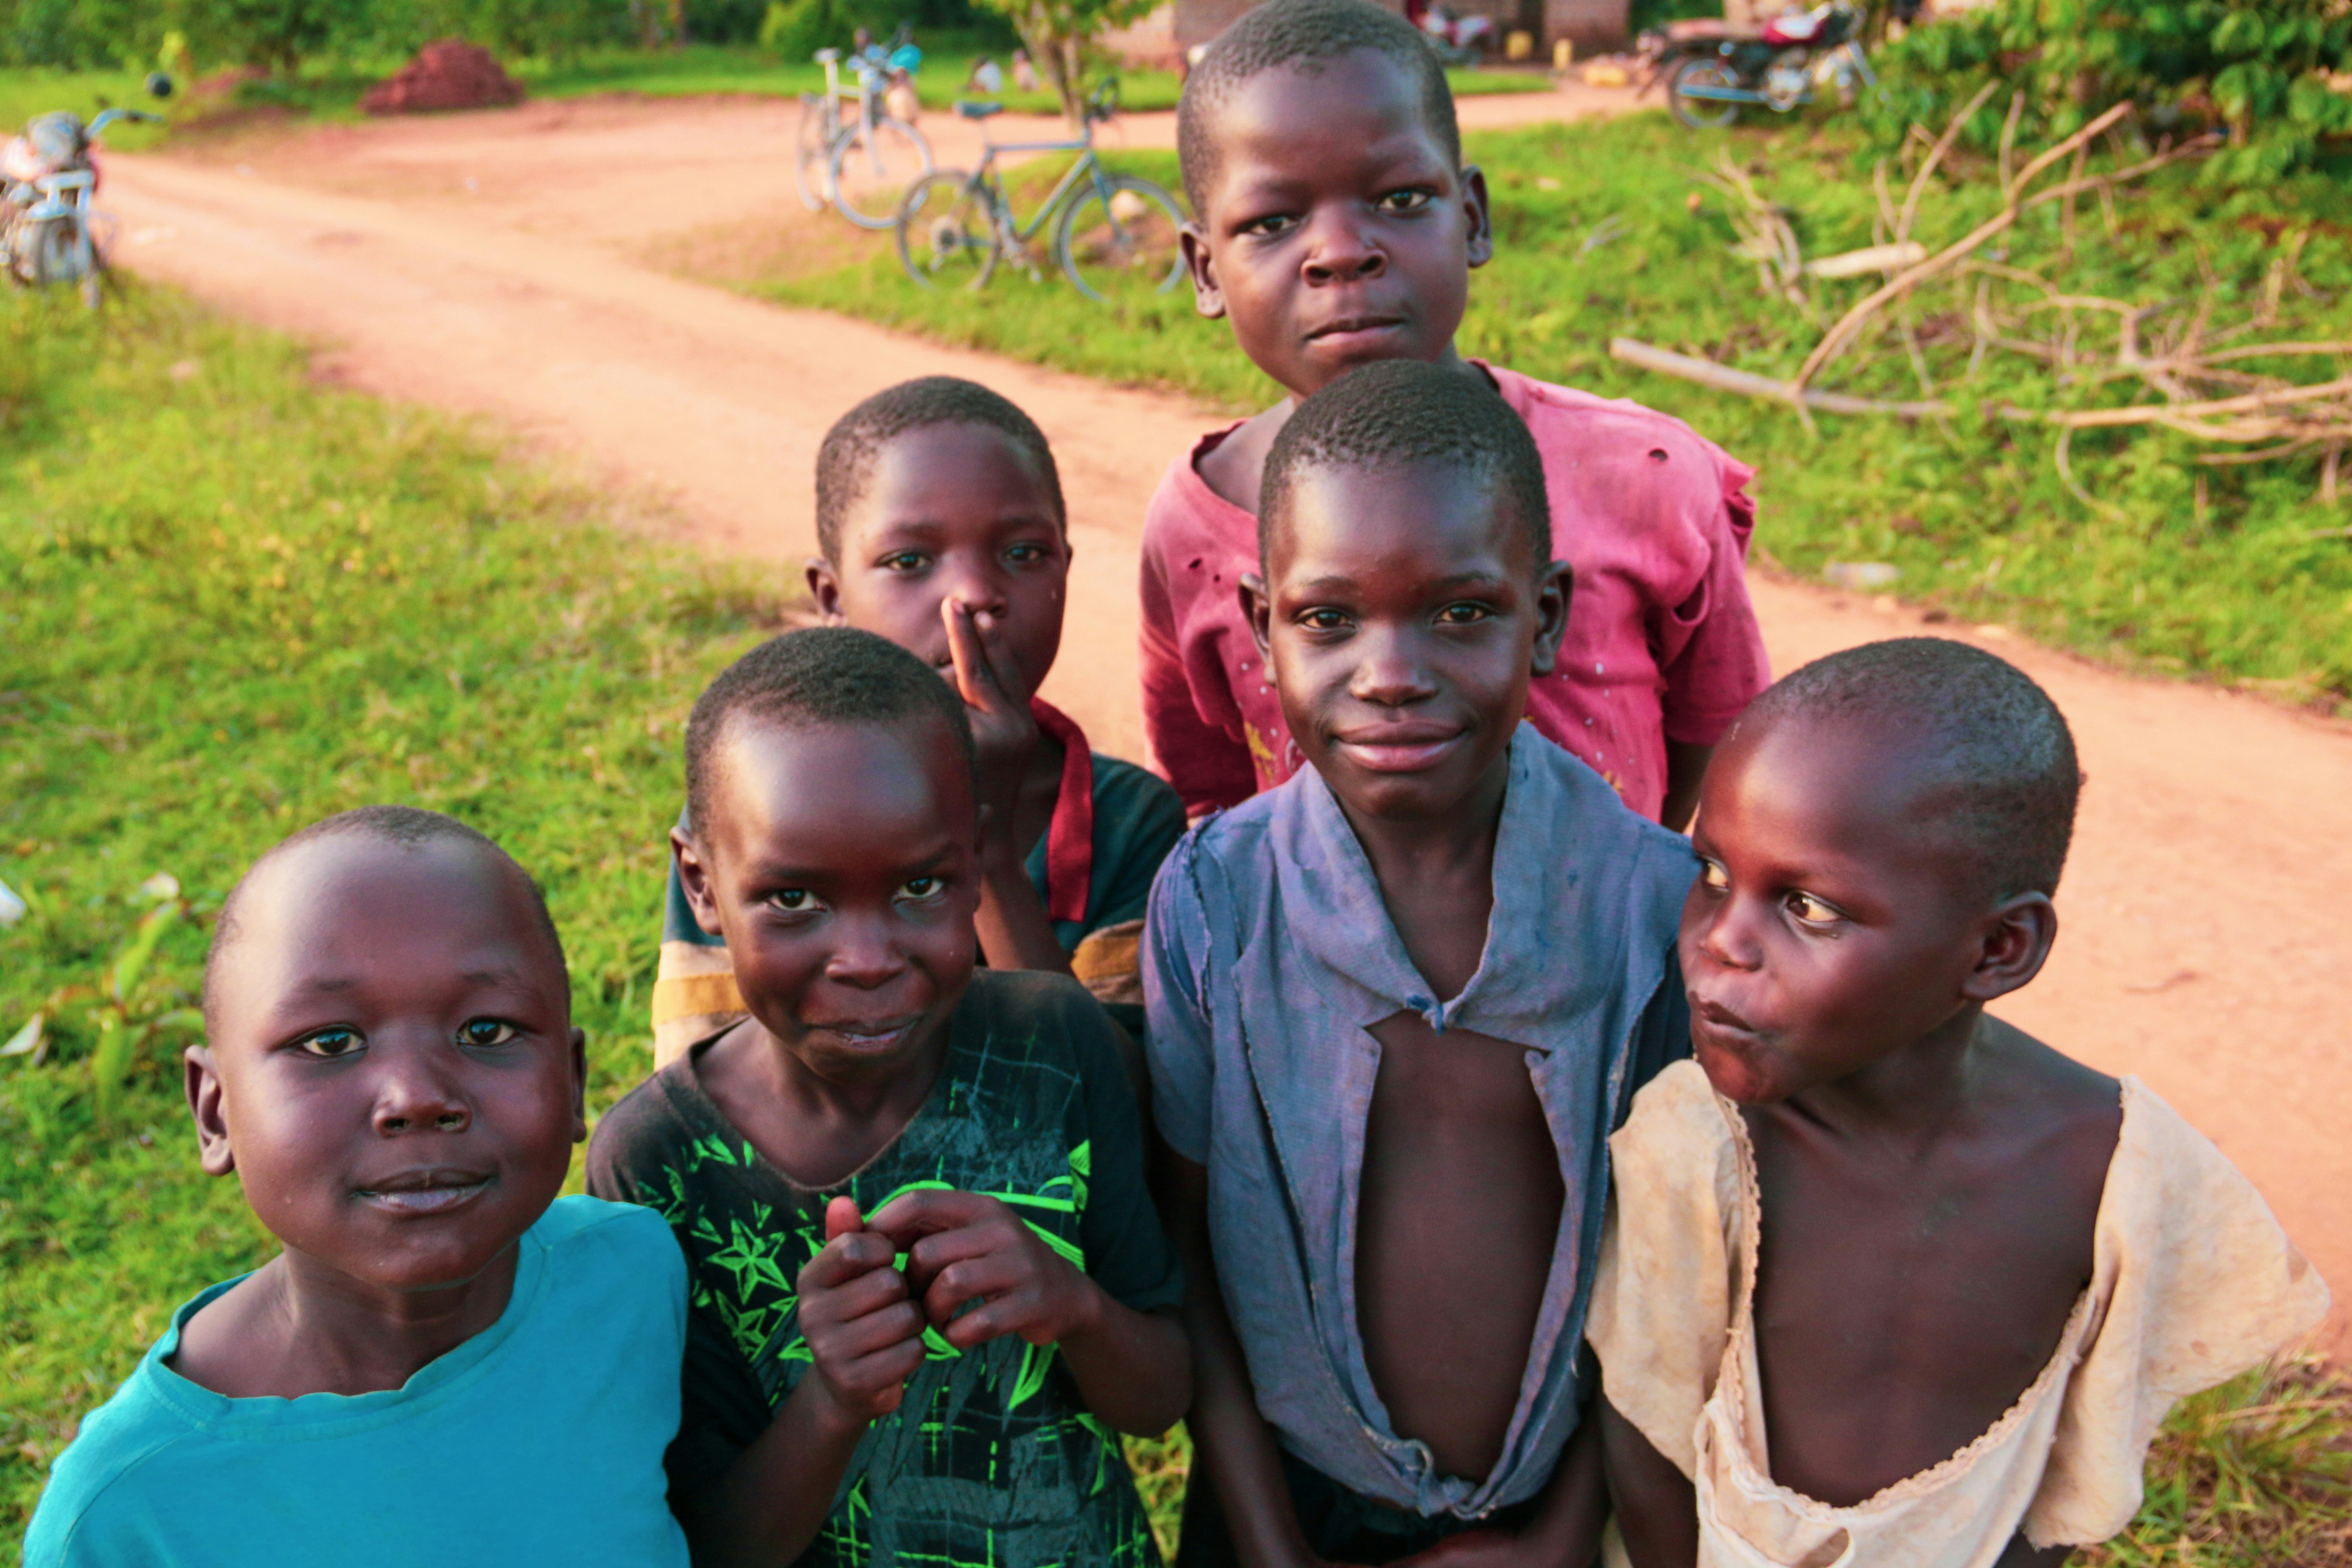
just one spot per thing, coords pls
(1234, 467)
(221, 1344)
(2050, 1095)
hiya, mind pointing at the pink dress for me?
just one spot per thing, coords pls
(1661, 641)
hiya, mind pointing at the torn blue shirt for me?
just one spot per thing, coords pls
(1268, 957)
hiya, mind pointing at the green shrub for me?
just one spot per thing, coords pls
(2254, 71)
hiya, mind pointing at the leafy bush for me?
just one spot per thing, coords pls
(2256, 71)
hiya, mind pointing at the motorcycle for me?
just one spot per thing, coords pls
(1709, 76)
(48, 177)
(1459, 40)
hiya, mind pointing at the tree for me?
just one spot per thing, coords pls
(1060, 37)
(2258, 71)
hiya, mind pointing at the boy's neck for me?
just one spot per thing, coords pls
(1436, 876)
(1234, 466)
(818, 1130)
(301, 1326)
(1915, 1094)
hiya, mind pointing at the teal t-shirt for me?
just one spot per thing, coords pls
(538, 1440)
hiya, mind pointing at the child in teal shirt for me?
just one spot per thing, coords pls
(446, 1362)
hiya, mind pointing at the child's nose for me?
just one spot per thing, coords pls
(1343, 253)
(1389, 672)
(864, 955)
(413, 1097)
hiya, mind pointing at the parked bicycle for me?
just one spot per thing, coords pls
(861, 162)
(1115, 229)
(49, 231)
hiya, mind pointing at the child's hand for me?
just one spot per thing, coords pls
(1004, 730)
(864, 1337)
(961, 1246)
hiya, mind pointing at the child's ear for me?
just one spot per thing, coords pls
(824, 587)
(203, 1085)
(1555, 586)
(1478, 215)
(694, 877)
(1257, 607)
(579, 1084)
(1208, 295)
(2017, 935)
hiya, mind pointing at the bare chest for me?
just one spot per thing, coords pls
(1900, 1312)
(1459, 1211)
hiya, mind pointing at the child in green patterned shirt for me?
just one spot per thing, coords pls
(927, 1285)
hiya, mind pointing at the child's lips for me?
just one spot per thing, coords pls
(868, 1035)
(1407, 751)
(426, 1192)
(1350, 330)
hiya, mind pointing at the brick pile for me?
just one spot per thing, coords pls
(449, 74)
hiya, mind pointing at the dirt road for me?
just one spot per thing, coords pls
(512, 266)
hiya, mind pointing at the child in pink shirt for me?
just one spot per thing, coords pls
(1336, 224)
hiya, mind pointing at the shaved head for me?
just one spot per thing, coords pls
(400, 826)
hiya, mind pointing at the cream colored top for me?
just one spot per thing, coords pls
(2192, 1282)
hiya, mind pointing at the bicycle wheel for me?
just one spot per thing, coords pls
(1118, 234)
(810, 171)
(948, 233)
(1701, 113)
(871, 171)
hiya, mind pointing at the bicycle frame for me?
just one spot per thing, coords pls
(1089, 163)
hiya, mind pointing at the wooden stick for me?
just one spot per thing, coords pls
(1936, 155)
(1747, 384)
(1835, 341)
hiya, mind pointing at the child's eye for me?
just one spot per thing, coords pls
(1270, 225)
(1026, 554)
(332, 1044)
(923, 889)
(1812, 912)
(1323, 620)
(904, 560)
(792, 900)
(487, 1032)
(1403, 202)
(1713, 877)
(1464, 615)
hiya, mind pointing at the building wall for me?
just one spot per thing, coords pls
(1198, 21)
(1594, 26)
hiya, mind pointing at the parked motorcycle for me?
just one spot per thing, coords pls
(1458, 40)
(1795, 57)
(49, 176)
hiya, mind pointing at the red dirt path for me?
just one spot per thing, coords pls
(496, 264)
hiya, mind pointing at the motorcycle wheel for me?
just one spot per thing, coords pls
(1701, 113)
(51, 251)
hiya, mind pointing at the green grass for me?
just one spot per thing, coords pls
(237, 602)
(1597, 239)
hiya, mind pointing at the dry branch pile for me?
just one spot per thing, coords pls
(2179, 365)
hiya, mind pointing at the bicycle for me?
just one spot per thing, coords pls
(954, 228)
(859, 163)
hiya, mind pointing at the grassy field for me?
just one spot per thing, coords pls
(2236, 573)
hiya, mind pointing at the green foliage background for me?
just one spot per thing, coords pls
(2255, 70)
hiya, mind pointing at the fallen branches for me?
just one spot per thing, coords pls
(2188, 369)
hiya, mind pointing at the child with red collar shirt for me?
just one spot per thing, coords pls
(1335, 223)
(940, 524)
